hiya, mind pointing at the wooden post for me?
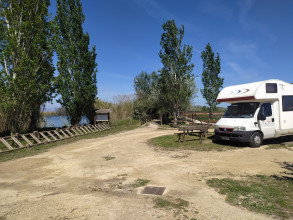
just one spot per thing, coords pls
(183, 134)
(36, 133)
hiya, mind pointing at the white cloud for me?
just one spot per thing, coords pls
(242, 48)
(245, 6)
(116, 76)
(244, 52)
(235, 73)
(154, 10)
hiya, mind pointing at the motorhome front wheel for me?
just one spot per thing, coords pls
(255, 140)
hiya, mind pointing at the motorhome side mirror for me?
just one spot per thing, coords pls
(261, 116)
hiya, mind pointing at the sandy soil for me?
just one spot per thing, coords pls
(76, 181)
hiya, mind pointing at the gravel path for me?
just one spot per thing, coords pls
(95, 179)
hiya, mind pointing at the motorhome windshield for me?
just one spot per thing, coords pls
(241, 110)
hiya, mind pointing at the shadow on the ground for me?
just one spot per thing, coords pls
(279, 140)
(288, 173)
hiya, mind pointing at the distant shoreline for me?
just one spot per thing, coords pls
(49, 113)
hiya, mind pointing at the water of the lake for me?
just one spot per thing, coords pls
(60, 121)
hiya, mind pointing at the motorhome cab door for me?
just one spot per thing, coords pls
(267, 125)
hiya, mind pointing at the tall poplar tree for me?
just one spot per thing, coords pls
(26, 69)
(211, 80)
(176, 81)
(76, 82)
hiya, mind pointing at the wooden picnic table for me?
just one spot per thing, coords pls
(201, 129)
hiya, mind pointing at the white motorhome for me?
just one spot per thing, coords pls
(259, 110)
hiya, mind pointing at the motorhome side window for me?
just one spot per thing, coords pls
(266, 109)
(287, 103)
(271, 88)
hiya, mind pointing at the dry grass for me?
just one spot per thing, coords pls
(121, 107)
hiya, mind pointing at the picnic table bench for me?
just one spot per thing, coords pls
(201, 129)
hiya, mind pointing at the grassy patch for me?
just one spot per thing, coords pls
(263, 194)
(170, 203)
(181, 208)
(279, 143)
(120, 126)
(140, 182)
(192, 142)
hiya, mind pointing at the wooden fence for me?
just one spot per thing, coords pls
(19, 141)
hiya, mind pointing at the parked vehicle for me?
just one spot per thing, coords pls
(259, 110)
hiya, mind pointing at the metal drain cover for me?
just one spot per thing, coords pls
(153, 190)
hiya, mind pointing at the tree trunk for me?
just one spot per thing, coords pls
(175, 115)
(35, 116)
(210, 114)
(90, 113)
(14, 124)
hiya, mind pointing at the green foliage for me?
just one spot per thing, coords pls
(125, 123)
(101, 104)
(26, 72)
(210, 77)
(176, 81)
(146, 105)
(144, 83)
(76, 82)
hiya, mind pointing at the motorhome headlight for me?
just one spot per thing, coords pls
(239, 128)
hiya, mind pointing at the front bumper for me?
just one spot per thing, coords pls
(240, 136)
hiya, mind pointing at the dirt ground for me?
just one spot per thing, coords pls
(94, 179)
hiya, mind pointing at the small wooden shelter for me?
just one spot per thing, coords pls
(102, 115)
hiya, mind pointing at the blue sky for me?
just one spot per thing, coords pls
(253, 38)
